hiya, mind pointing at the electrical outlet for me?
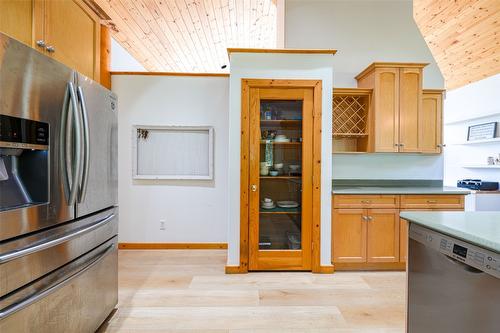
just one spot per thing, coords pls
(162, 224)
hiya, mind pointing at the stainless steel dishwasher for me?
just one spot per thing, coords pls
(453, 286)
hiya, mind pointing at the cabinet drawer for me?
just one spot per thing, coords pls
(365, 201)
(432, 201)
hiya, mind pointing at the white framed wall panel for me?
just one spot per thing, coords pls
(173, 152)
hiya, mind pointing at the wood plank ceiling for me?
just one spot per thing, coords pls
(463, 36)
(190, 35)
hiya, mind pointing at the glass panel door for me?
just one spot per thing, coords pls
(280, 175)
(280, 199)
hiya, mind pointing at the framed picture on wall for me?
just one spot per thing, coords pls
(482, 131)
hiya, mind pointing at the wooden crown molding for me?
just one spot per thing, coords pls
(289, 51)
(374, 65)
(172, 74)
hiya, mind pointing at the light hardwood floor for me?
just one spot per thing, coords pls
(187, 291)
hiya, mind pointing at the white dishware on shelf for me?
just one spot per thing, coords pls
(287, 204)
(278, 166)
(281, 138)
(294, 167)
(268, 207)
(267, 203)
(274, 173)
(264, 170)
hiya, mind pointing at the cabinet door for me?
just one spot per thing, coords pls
(410, 104)
(349, 235)
(383, 235)
(430, 123)
(16, 19)
(73, 32)
(386, 109)
(280, 203)
(403, 240)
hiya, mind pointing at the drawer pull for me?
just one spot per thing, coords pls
(366, 201)
(432, 201)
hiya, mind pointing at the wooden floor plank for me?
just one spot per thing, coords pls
(186, 291)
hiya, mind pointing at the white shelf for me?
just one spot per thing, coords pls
(459, 121)
(478, 142)
(479, 166)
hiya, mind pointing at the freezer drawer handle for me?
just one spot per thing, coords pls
(39, 246)
(36, 296)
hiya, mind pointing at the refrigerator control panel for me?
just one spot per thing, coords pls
(23, 133)
(459, 251)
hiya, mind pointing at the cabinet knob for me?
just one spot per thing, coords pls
(370, 218)
(401, 144)
(40, 43)
(253, 188)
(50, 49)
(366, 201)
(364, 218)
(441, 145)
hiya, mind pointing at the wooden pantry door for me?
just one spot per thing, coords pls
(280, 238)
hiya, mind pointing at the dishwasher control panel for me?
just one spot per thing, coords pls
(472, 255)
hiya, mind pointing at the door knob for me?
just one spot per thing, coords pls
(50, 49)
(40, 43)
(253, 188)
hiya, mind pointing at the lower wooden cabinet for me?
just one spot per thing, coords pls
(349, 235)
(365, 235)
(382, 240)
(403, 240)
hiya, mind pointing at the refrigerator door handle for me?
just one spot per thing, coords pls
(39, 294)
(70, 122)
(86, 145)
(40, 246)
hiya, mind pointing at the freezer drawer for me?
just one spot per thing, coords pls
(28, 258)
(76, 298)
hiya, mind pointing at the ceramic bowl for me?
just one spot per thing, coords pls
(273, 173)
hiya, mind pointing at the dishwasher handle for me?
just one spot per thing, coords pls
(464, 266)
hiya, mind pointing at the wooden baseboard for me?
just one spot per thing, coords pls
(382, 266)
(325, 270)
(172, 246)
(236, 270)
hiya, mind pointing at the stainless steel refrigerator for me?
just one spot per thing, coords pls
(58, 195)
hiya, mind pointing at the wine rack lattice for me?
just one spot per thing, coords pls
(350, 115)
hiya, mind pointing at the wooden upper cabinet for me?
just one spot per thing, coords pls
(72, 36)
(410, 105)
(431, 122)
(397, 103)
(16, 19)
(67, 31)
(387, 109)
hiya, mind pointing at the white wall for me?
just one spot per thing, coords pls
(477, 99)
(278, 66)
(194, 211)
(364, 32)
(121, 60)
